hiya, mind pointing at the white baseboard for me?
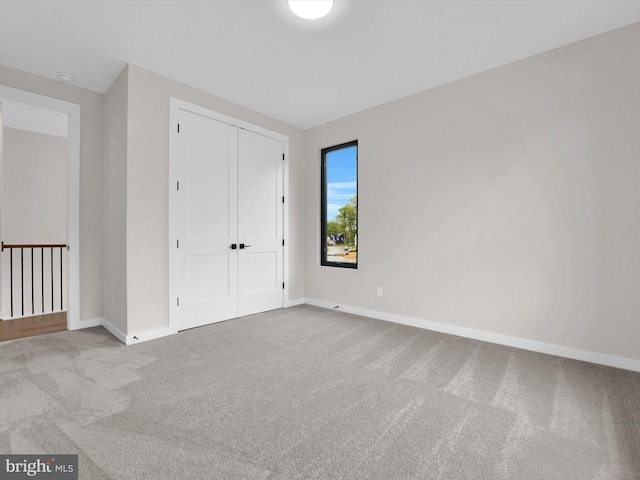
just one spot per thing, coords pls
(293, 302)
(137, 337)
(150, 335)
(517, 342)
(115, 331)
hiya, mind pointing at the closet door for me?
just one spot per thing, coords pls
(207, 220)
(260, 223)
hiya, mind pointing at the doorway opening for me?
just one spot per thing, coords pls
(39, 205)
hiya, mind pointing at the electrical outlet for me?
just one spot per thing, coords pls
(378, 291)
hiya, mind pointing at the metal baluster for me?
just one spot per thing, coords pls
(11, 273)
(61, 279)
(22, 277)
(52, 279)
(32, 247)
(33, 308)
(42, 275)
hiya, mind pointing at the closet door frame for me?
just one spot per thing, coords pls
(175, 105)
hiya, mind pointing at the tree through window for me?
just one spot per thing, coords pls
(339, 218)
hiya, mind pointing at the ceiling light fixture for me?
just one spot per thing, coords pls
(65, 77)
(311, 9)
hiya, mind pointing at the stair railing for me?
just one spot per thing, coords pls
(50, 274)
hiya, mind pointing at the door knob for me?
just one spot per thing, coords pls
(243, 246)
(233, 246)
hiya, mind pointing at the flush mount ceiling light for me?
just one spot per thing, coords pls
(311, 9)
(65, 77)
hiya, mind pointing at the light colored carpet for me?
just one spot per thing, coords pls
(308, 393)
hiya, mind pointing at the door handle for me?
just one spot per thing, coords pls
(233, 246)
(243, 246)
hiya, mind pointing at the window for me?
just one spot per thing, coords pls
(339, 216)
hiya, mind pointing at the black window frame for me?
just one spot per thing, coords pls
(323, 204)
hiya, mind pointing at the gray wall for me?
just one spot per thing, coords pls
(34, 187)
(147, 192)
(506, 202)
(91, 162)
(115, 202)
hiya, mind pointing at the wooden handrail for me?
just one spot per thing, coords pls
(33, 245)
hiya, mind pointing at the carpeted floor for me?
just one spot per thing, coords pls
(308, 393)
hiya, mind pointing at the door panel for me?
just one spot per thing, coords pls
(207, 277)
(207, 225)
(260, 223)
(264, 269)
(209, 185)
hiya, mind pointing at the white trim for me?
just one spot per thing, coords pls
(294, 302)
(176, 104)
(285, 227)
(115, 331)
(150, 335)
(138, 337)
(73, 220)
(516, 342)
(173, 212)
(1, 195)
(73, 190)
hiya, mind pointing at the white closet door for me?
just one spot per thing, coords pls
(207, 212)
(260, 223)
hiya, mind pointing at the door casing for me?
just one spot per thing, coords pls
(176, 104)
(73, 193)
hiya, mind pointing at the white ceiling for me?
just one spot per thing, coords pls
(256, 54)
